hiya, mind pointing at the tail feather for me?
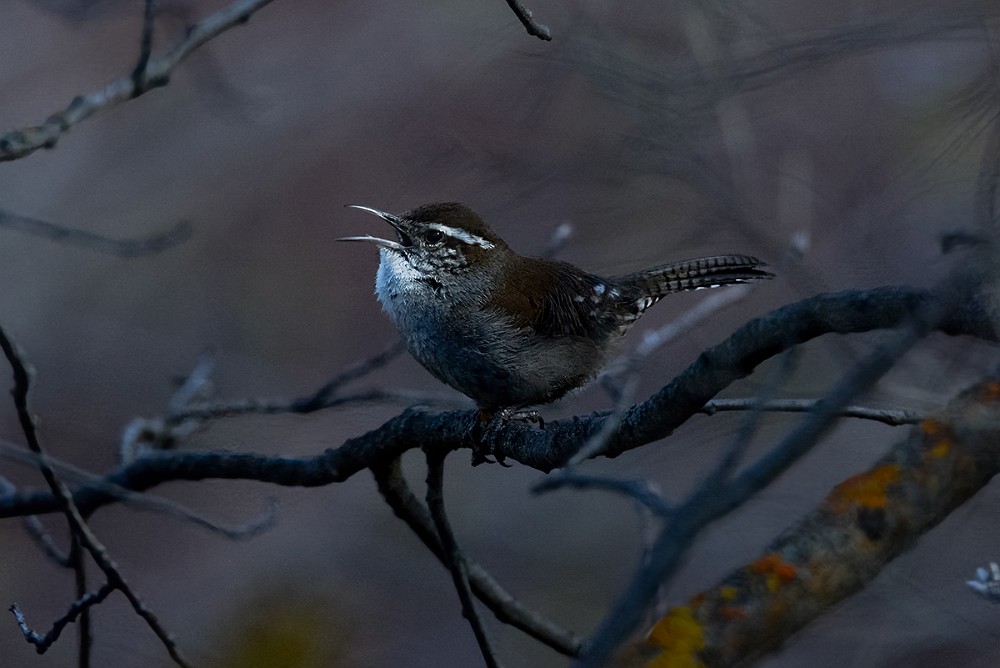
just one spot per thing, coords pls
(704, 272)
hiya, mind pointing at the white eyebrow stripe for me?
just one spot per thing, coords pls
(461, 235)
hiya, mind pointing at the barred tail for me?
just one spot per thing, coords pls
(704, 272)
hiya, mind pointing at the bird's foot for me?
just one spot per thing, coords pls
(484, 450)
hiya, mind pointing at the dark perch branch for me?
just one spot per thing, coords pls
(657, 417)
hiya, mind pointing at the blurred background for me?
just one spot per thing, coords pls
(838, 140)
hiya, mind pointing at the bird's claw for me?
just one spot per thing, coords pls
(484, 451)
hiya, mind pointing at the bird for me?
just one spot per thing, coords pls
(507, 330)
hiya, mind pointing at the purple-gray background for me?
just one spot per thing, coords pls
(622, 126)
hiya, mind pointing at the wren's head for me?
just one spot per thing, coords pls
(435, 241)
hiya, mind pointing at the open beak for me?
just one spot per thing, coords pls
(390, 218)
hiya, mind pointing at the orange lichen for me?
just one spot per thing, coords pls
(868, 490)
(732, 612)
(933, 427)
(989, 391)
(776, 570)
(680, 637)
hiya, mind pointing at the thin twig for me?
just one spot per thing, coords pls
(731, 458)
(72, 236)
(322, 398)
(454, 558)
(19, 143)
(42, 641)
(638, 490)
(891, 417)
(557, 241)
(534, 28)
(502, 603)
(255, 526)
(145, 44)
(79, 526)
(629, 366)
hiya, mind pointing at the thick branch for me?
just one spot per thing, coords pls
(544, 449)
(865, 522)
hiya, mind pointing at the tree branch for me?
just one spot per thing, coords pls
(864, 522)
(507, 609)
(544, 449)
(156, 72)
(534, 28)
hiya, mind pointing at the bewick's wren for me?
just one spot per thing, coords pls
(512, 331)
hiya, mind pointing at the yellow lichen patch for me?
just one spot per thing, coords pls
(868, 490)
(776, 570)
(681, 637)
(728, 593)
(940, 450)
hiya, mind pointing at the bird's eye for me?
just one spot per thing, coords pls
(433, 236)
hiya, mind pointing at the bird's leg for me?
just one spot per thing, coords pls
(490, 421)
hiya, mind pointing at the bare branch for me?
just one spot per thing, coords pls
(557, 241)
(640, 491)
(453, 557)
(534, 28)
(22, 384)
(714, 370)
(135, 500)
(507, 609)
(43, 641)
(864, 522)
(156, 73)
(987, 583)
(713, 499)
(145, 43)
(891, 417)
(124, 248)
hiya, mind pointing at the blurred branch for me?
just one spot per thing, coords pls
(893, 418)
(154, 73)
(865, 522)
(717, 496)
(264, 520)
(987, 583)
(145, 43)
(534, 28)
(640, 491)
(324, 397)
(124, 248)
(507, 609)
